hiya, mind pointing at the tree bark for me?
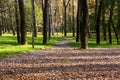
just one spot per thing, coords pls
(1, 20)
(64, 16)
(22, 23)
(84, 27)
(45, 19)
(49, 20)
(110, 21)
(17, 21)
(34, 18)
(118, 21)
(103, 22)
(98, 16)
(79, 11)
(73, 20)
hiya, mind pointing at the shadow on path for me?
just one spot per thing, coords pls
(62, 62)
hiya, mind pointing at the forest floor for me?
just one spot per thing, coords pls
(63, 62)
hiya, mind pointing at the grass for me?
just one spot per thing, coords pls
(9, 45)
(92, 44)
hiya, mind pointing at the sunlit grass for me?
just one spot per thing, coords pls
(9, 45)
(92, 44)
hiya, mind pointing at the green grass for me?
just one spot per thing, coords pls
(9, 45)
(92, 44)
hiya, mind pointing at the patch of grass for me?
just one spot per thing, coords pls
(9, 45)
(92, 44)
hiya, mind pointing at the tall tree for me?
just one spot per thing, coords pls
(49, 21)
(118, 21)
(34, 18)
(84, 27)
(22, 22)
(17, 21)
(1, 19)
(79, 14)
(110, 20)
(104, 21)
(98, 16)
(73, 20)
(65, 4)
(45, 19)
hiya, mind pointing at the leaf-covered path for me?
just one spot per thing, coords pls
(62, 62)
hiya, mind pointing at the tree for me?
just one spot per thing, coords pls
(17, 21)
(79, 14)
(110, 20)
(73, 20)
(49, 20)
(34, 18)
(64, 15)
(118, 21)
(22, 22)
(98, 16)
(84, 27)
(1, 19)
(104, 21)
(45, 19)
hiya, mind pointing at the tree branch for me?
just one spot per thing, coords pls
(67, 3)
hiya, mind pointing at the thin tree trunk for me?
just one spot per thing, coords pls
(73, 21)
(98, 23)
(115, 31)
(34, 19)
(110, 21)
(11, 23)
(118, 22)
(103, 22)
(17, 21)
(64, 16)
(1, 19)
(78, 21)
(49, 32)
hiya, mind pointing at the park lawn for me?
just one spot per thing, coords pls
(9, 45)
(92, 44)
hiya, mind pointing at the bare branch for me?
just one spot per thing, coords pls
(67, 3)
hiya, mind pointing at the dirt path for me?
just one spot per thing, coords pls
(62, 62)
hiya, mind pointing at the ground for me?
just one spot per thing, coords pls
(63, 62)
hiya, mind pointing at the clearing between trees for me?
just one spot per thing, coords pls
(63, 62)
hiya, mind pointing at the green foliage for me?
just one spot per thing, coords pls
(8, 45)
(38, 12)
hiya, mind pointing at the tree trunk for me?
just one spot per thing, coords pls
(11, 23)
(73, 21)
(118, 22)
(69, 19)
(64, 16)
(1, 20)
(84, 27)
(78, 21)
(103, 22)
(22, 23)
(115, 31)
(110, 21)
(49, 20)
(45, 19)
(98, 23)
(17, 21)
(0, 30)
(34, 19)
